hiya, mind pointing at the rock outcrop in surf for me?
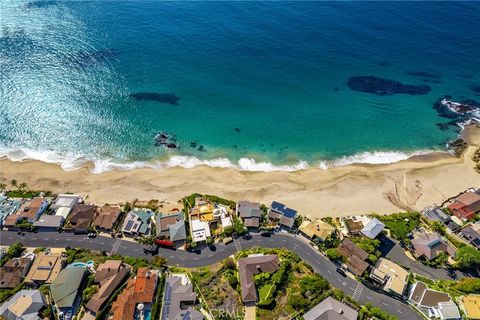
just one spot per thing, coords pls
(461, 110)
(169, 98)
(382, 86)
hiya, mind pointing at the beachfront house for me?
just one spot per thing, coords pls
(135, 301)
(353, 225)
(199, 230)
(28, 212)
(250, 213)
(138, 222)
(282, 215)
(316, 229)
(373, 228)
(49, 223)
(7, 207)
(179, 299)
(437, 214)
(106, 218)
(331, 309)
(80, 218)
(172, 227)
(466, 206)
(64, 203)
(432, 303)
(250, 266)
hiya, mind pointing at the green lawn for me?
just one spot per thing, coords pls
(264, 292)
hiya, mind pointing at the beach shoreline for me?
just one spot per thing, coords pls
(338, 191)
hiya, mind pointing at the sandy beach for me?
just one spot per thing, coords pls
(411, 184)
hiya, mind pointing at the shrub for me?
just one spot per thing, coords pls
(333, 254)
(468, 285)
(468, 257)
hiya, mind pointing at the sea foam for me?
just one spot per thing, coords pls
(69, 161)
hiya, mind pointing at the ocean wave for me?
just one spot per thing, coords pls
(376, 157)
(70, 161)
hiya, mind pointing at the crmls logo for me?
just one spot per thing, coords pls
(226, 314)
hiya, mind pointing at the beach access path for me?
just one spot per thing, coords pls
(207, 256)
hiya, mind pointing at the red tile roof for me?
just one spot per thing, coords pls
(138, 290)
(461, 210)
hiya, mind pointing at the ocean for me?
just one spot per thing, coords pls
(256, 85)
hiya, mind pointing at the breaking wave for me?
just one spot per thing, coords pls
(70, 161)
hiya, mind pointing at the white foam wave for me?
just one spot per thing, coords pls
(376, 157)
(251, 165)
(70, 161)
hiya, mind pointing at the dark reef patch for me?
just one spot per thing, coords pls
(237, 129)
(193, 144)
(336, 89)
(382, 86)
(424, 74)
(169, 98)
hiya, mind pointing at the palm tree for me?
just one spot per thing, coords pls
(14, 183)
(25, 185)
(3, 186)
(22, 187)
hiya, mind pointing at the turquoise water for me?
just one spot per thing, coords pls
(276, 72)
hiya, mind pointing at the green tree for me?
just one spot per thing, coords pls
(333, 254)
(438, 227)
(468, 257)
(298, 302)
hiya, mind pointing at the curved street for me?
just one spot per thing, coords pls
(207, 256)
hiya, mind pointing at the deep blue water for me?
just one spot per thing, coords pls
(256, 80)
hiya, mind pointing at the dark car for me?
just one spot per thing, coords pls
(341, 271)
(265, 234)
(247, 236)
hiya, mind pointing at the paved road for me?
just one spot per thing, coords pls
(320, 264)
(392, 250)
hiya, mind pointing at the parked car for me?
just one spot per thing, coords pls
(265, 234)
(341, 271)
(165, 243)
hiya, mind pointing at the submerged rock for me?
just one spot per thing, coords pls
(165, 139)
(450, 109)
(193, 144)
(169, 98)
(382, 86)
(237, 129)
